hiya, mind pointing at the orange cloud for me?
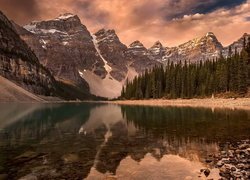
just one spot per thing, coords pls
(170, 21)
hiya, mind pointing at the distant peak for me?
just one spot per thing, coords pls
(136, 44)
(158, 44)
(210, 34)
(65, 16)
(106, 35)
(246, 34)
(105, 31)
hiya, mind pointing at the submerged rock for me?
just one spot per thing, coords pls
(70, 158)
(29, 177)
(233, 160)
(3, 176)
(206, 172)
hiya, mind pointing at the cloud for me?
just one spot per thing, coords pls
(20, 11)
(247, 18)
(170, 21)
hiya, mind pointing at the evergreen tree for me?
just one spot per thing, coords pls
(184, 80)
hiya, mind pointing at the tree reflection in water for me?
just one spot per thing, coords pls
(96, 140)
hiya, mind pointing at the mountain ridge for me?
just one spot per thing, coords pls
(91, 60)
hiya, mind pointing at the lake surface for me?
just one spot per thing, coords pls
(104, 141)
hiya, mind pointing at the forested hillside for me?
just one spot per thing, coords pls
(184, 80)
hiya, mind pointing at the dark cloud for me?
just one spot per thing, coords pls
(88, 8)
(179, 8)
(20, 10)
(247, 18)
(212, 5)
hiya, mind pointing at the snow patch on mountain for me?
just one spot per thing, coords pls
(65, 16)
(30, 27)
(106, 66)
(108, 87)
(65, 43)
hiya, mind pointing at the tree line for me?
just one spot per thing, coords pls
(203, 79)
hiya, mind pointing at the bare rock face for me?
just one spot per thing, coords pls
(141, 59)
(112, 51)
(193, 51)
(236, 46)
(199, 49)
(157, 51)
(65, 46)
(19, 64)
(137, 48)
(120, 57)
(74, 56)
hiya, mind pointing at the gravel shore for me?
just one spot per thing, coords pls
(232, 103)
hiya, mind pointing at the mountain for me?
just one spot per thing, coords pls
(140, 57)
(99, 61)
(157, 51)
(236, 45)
(19, 64)
(137, 48)
(65, 48)
(204, 48)
(198, 49)
(113, 52)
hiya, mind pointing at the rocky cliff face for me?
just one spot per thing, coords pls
(65, 47)
(112, 51)
(141, 57)
(199, 49)
(157, 51)
(204, 48)
(19, 64)
(236, 46)
(101, 62)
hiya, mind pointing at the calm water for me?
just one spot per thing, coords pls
(99, 141)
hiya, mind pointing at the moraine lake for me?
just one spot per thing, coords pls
(105, 141)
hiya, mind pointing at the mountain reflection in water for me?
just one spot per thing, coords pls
(96, 141)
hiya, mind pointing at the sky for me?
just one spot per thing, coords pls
(172, 22)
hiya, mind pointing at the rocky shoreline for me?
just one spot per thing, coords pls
(233, 160)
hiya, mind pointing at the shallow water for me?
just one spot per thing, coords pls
(100, 141)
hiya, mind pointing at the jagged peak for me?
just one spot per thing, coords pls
(65, 16)
(106, 35)
(61, 17)
(136, 44)
(105, 31)
(246, 35)
(157, 44)
(210, 34)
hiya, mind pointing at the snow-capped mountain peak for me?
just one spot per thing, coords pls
(65, 16)
(211, 34)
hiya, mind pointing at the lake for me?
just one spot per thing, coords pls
(105, 141)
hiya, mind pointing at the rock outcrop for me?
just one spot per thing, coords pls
(193, 51)
(19, 64)
(65, 48)
(236, 46)
(113, 51)
(199, 49)
(140, 57)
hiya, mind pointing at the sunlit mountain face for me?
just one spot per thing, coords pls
(96, 141)
(172, 22)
